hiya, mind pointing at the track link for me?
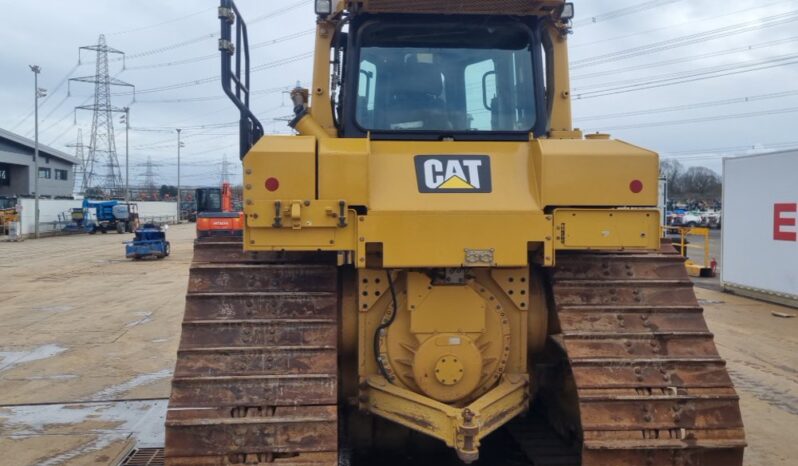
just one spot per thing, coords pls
(257, 367)
(651, 388)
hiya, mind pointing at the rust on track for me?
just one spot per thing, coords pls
(256, 378)
(649, 385)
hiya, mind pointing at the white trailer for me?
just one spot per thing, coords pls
(760, 230)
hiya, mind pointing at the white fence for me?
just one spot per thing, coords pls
(54, 212)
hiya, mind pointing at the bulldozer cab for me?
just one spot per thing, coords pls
(437, 78)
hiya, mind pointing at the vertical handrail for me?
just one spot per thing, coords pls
(236, 84)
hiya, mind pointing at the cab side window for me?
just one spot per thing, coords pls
(480, 85)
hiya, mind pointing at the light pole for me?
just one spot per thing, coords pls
(126, 120)
(38, 93)
(179, 198)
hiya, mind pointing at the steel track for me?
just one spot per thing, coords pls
(639, 381)
(257, 367)
(645, 376)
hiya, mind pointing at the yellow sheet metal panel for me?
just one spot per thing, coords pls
(438, 309)
(397, 173)
(290, 160)
(606, 229)
(452, 239)
(320, 102)
(577, 173)
(560, 120)
(297, 214)
(313, 239)
(343, 170)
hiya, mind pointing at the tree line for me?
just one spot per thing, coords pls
(694, 183)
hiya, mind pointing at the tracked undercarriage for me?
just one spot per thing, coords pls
(631, 377)
(644, 376)
(256, 374)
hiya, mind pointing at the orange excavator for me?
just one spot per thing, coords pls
(215, 215)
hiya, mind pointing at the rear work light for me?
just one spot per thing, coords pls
(323, 7)
(567, 13)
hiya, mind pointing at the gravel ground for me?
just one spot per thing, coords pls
(88, 339)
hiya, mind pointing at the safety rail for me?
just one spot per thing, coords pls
(236, 84)
(705, 269)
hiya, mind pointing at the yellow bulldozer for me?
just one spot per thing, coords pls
(8, 214)
(439, 254)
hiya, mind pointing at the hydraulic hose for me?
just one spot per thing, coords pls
(384, 326)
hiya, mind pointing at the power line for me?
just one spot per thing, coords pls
(215, 78)
(739, 151)
(215, 56)
(690, 39)
(259, 92)
(689, 121)
(47, 98)
(60, 135)
(721, 150)
(163, 23)
(211, 35)
(29, 133)
(648, 5)
(678, 108)
(748, 48)
(688, 73)
(701, 74)
(280, 11)
(670, 27)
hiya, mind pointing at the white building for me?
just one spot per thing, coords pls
(56, 168)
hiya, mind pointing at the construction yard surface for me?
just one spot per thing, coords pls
(88, 342)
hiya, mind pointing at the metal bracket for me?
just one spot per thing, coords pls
(449, 277)
(460, 428)
(227, 46)
(278, 215)
(227, 14)
(296, 215)
(479, 257)
(342, 214)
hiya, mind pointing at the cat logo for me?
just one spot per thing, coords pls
(454, 174)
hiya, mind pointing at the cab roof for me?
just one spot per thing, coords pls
(482, 7)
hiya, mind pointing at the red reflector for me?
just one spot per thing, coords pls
(636, 186)
(272, 184)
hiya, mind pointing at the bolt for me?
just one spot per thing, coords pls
(468, 416)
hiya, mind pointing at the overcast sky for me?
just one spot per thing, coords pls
(692, 79)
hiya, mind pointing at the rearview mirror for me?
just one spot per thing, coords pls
(485, 89)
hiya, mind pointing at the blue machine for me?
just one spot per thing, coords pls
(111, 215)
(150, 241)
